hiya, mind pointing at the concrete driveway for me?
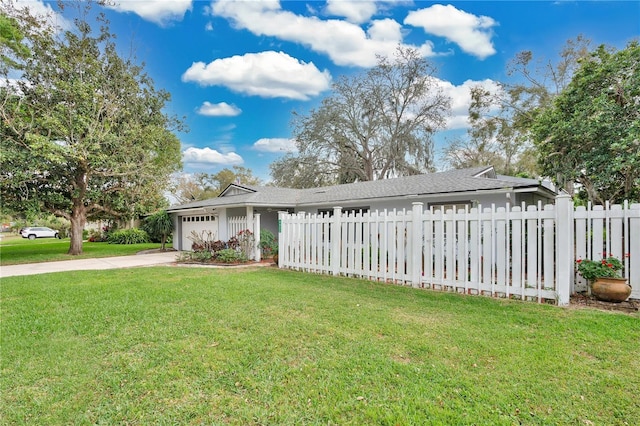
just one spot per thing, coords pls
(148, 259)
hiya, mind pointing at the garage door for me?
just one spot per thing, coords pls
(197, 224)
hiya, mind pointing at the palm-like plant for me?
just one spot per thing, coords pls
(160, 224)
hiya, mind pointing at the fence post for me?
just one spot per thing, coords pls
(416, 246)
(633, 237)
(334, 232)
(283, 246)
(256, 237)
(564, 248)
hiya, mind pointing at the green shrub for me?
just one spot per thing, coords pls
(268, 243)
(95, 236)
(194, 256)
(128, 236)
(230, 256)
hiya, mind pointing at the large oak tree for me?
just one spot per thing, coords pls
(83, 132)
(375, 125)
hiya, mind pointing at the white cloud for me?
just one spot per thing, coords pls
(208, 26)
(221, 109)
(275, 145)
(472, 33)
(266, 74)
(344, 42)
(385, 30)
(210, 156)
(161, 12)
(461, 99)
(355, 11)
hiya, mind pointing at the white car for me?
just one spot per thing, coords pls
(39, 232)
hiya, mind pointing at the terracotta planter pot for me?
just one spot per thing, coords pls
(611, 289)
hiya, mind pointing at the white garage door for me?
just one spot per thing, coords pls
(199, 224)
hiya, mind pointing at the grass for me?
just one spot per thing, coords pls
(18, 250)
(199, 346)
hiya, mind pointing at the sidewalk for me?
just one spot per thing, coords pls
(89, 264)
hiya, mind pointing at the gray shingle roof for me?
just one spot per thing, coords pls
(257, 195)
(453, 181)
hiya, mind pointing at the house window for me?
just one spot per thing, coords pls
(349, 210)
(444, 207)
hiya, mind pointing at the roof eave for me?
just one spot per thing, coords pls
(503, 190)
(210, 208)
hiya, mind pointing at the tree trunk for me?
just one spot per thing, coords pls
(78, 220)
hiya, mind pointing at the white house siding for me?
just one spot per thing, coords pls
(486, 200)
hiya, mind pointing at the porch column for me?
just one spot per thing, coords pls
(249, 217)
(223, 233)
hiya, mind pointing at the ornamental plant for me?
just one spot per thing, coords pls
(608, 267)
(246, 240)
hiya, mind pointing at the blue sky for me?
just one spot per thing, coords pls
(237, 69)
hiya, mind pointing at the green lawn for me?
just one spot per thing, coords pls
(17, 250)
(172, 345)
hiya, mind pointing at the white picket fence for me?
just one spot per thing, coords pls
(527, 253)
(236, 224)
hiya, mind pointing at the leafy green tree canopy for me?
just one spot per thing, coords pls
(591, 133)
(83, 132)
(12, 48)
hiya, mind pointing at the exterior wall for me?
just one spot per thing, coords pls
(269, 221)
(177, 232)
(486, 200)
(236, 211)
(532, 199)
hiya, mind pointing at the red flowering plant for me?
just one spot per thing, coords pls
(609, 267)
